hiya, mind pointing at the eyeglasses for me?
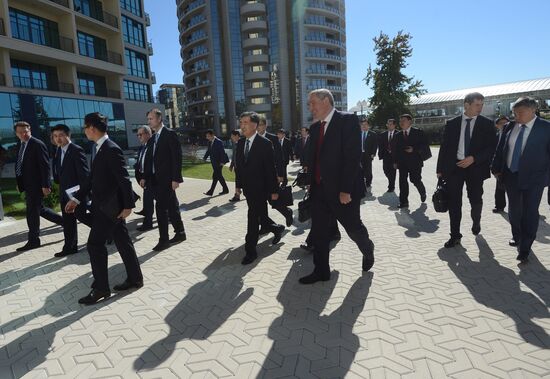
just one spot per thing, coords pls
(139, 134)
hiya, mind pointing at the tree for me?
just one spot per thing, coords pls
(392, 89)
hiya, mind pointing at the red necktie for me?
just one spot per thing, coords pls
(318, 153)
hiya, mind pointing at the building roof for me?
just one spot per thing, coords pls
(494, 90)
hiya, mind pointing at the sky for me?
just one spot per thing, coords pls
(456, 44)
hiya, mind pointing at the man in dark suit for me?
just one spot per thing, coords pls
(301, 146)
(163, 163)
(286, 153)
(500, 190)
(369, 146)
(144, 134)
(522, 161)
(235, 137)
(256, 175)
(32, 173)
(70, 169)
(334, 165)
(218, 158)
(410, 151)
(112, 202)
(468, 145)
(385, 141)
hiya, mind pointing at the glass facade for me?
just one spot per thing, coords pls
(133, 6)
(31, 75)
(44, 112)
(33, 29)
(136, 64)
(218, 65)
(93, 85)
(133, 31)
(136, 91)
(92, 46)
(91, 8)
(237, 57)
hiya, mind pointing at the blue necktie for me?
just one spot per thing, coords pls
(19, 165)
(514, 166)
(246, 149)
(467, 135)
(155, 143)
(94, 151)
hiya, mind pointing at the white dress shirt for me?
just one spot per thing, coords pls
(514, 136)
(328, 119)
(460, 151)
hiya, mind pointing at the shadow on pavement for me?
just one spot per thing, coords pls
(416, 222)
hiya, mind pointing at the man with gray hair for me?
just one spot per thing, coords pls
(144, 133)
(522, 161)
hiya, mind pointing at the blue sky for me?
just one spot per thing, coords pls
(456, 44)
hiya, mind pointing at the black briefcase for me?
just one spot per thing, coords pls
(304, 209)
(302, 179)
(285, 197)
(440, 198)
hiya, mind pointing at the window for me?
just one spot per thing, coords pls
(30, 75)
(133, 6)
(136, 64)
(91, 8)
(258, 100)
(258, 68)
(91, 46)
(132, 31)
(34, 29)
(91, 84)
(136, 91)
(258, 85)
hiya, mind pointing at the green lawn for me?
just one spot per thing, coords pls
(203, 170)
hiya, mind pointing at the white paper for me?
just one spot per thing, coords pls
(71, 191)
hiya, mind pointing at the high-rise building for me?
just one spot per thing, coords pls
(260, 55)
(62, 59)
(172, 96)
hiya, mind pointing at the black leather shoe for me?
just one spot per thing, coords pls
(235, 199)
(126, 285)
(423, 198)
(162, 245)
(314, 278)
(29, 246)
(289, 217)
(403, 205)
(224, 192)
(523, 257)
(476, 229)
(144, 228)
(208, 193)
(513, 242)
(278, 234)
(179, 237)
(94, 296)
(306, 247)
(248, 259)
(497, 210)
(452, 242)
(141, 213)
(64, 253)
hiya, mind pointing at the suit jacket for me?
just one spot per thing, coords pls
(108, 178)
(301, 151)
(482, 147)
(74, 170)
(384, 146)
(167, 159)
(216, 152)
(278, 153)
(257, 175)
(140, 174)
(370, 144)
(534, 164)
(286, 151)
(421, 148)
(340, 155)
(35, 170)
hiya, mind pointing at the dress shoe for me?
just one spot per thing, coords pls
(126, 285)
(523, 257)
(141, 213)
(29, 246)
(423, 198)
(278, 234)
(314, 278)
(476, 229)
(289, 217)
(497, 210)
(94, 296)
(403, 205)
(452, 242)
(179, 237)
(306, 247)
(235, 199)
(208, 193)
(513, 242)
(248, 259)
(224, 192)
(162, 245)
(144, 227)
(64, 253)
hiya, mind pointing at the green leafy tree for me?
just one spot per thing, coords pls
(392, 89)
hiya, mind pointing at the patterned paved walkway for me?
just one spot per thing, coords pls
(424, 311)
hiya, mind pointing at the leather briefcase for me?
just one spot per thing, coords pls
(304, 208)
(285, 197)
(440, 198)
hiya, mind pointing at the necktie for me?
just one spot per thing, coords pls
(467, 135)
(363, 141)
(246, 149)
(62, 157)
(94, 151)
(318, 152)
(514, 166)
(19, 169)
(406, 135)
(390, 137)
(155, 143)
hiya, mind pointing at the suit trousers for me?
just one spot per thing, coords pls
(70, 233)
(366, 164)
(325, 211)
(500, 195)
(389, 171)
(414, 173)
(217, 176)
(257, 214)
(285, 174)
(34, 210)
(167, 208)
(148, 205)
(474, 187)
(103, 228)
(523, 211)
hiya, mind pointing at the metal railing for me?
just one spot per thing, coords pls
(64, 3)
(103, 16)
(147, 19)
(66, 44)
(150, 48)
(2, 30)
(2, 80)
(66, 87)
(113, 93)
(113, 57)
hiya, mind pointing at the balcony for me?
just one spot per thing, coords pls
(41, 85)
(253, 25)
(113, 57)
(197, 85)
(319, 6)
(319, 71)
(254, 42)
(2, 80)
(150, 48)
(191, 8)
(252, 9)
(257, 75)
(64, 3)
(195, 55)
(113, 94)
(330, 57)
(256, 59)
(153, 78)
(147, 19)
(2, 29)
(323, 40)
(192, 24)
(101, 15)
(327, 25)
(329, 87)
(66, 44)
